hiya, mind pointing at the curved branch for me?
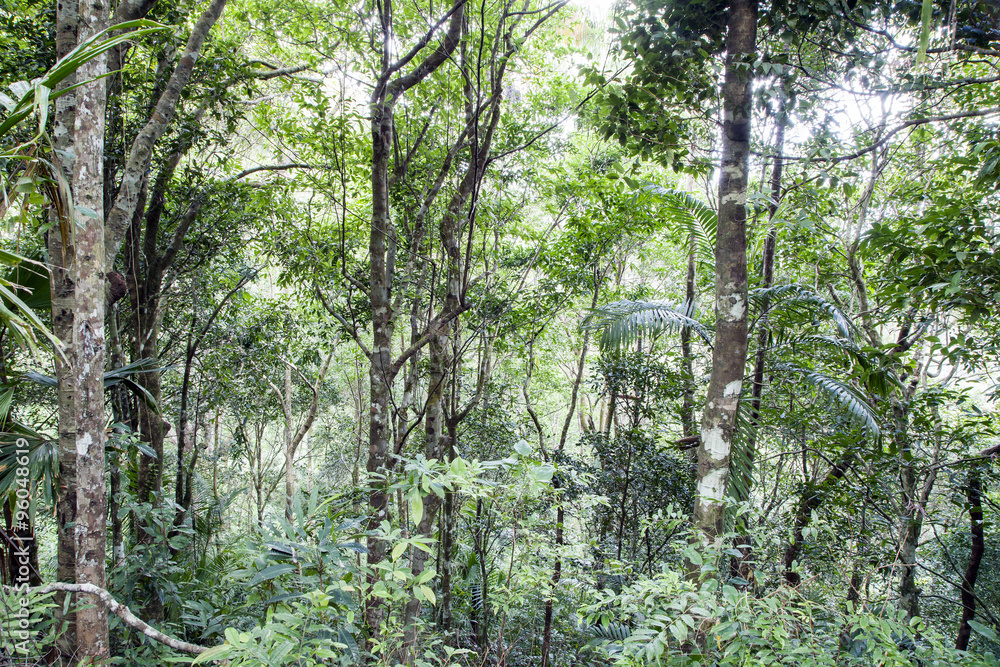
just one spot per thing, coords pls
(123, 613)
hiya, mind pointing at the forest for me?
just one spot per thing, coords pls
(507, 333)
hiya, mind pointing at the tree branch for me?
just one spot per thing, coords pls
(123, 613)
(141, 153)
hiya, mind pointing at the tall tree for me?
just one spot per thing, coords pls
(718, 420)
(77, 254)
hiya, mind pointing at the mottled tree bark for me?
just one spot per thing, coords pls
(63, 309)
(718, 420)
(913, 498)
(687, 358)
(120, 216)
(78, 319)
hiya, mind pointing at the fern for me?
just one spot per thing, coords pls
(622, 322)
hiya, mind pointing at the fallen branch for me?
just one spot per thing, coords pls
(123, 613)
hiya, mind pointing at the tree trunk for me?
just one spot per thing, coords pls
(382, 370)
(78, 304)
(910, 515)
(687, 407)
(742, 565)
(435, 446)
(974, 495)
(718, 420)
(556, 485)
(812, 497)
(286, 409)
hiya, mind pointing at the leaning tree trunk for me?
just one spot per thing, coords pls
(718, 421)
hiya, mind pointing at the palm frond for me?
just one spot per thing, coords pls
(622, 322)
(692, 216)
(43, 461)
(113, 377)
(801, 300)
(741, 459)
(866, 368)
(841, 393)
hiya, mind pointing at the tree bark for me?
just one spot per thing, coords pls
(742, 565)
(120, 216)
(718, 420)
(974, 496)
(382, 369)
(76, 245)
(812, 497)
(556, 485)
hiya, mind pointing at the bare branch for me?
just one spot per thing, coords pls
(123, 613)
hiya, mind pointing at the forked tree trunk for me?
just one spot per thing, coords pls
(382, 368)
(718, 421)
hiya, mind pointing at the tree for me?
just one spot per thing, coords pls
(77, 251)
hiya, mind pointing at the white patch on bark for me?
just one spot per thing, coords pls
(733, 170)
(712, 486)
(733, 388)
(738, 308)
(83, 444)
(739, 198)
(715, 444)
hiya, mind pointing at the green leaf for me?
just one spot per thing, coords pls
(215, 653)
(985, 631)
(416, 507)
(271, 572)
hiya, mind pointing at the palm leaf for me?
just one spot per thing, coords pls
(122, 375)
(841, 393)
(43, 460)
(622, 322)
(741, 459)
(797, 299)
(40, 93)
(691, 216)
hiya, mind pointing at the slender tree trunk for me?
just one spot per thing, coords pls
(812, 497)
(718, 421)
(286, 409)
(687, 407)
(556, 485)
(910, 515)
(435, 446)
(974, 496)
(742, 565)
(78, 300)
(913, 500)
(63, 309)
